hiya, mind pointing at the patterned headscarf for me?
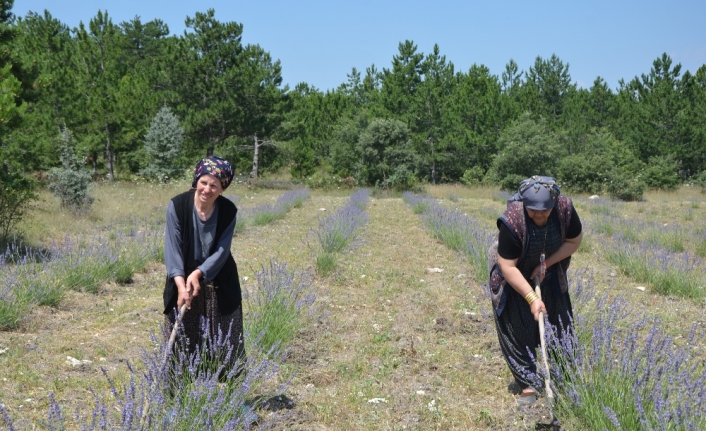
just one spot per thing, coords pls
(216, 166)
(538, 193)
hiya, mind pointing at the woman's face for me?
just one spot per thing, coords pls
(539, 217)
(208, 188)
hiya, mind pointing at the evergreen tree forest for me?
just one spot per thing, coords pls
(417, 120)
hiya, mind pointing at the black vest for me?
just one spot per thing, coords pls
(227, 280)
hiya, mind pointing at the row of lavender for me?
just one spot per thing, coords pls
(668, 257)
(338, 232)
(196, 391)
(267, 213)
(31, 277)
(458, 231)
(619, 369)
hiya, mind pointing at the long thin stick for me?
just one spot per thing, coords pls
(172, 337)
(167, 352)
(547, 384)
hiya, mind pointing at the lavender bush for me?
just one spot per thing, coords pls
(188, 392)
(618, 370)
(280, 304)
(340, 231)
(669, 273)
(670, 237)
(267, 213)
(29, 277)
(455, 229)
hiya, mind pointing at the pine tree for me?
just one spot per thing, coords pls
(70, 182)
(162, 144)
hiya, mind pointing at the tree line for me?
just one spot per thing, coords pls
(417, 120)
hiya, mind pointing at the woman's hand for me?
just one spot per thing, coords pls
(537, 307)
(187, 290)
(537, 273)
(183, 296)
(193, 286)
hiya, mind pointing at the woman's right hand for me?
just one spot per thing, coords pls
(183, 294)
(537, 307)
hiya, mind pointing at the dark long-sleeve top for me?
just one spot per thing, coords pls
(204, 233)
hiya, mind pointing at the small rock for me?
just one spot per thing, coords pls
(612, 274)
(76, 362)
(640, 288)
(594, 197)
(421, 393)
(322, 209)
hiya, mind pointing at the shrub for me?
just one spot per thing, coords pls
(162, 144)
(662, 173)
(700, 181)
(16, 198)
(387, 157)
(584, 173)
(527, 148)
(473, 176)
(624, 187)
(70, 182)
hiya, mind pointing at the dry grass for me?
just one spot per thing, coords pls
(424, 342)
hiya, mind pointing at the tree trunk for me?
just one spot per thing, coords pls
(109, 154)
(433, 162)
(255, 158)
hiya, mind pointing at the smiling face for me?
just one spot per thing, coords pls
(539, 218)
(208, 188)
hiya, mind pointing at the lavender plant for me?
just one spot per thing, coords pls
(280, 304)
(339, 232)
(30, 277)
(701, 243)
(669, 273)
(618, 370)
(267, 213)
(419, 203)
(192, 391)
(25, 281)
(455, 229)
(360, 198)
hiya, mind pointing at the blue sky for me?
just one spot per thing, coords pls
(318, 42)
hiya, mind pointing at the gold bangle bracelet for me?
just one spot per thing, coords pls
(531, 297)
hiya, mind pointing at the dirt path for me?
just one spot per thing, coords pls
(403, 347)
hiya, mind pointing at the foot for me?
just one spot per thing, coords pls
(527, 398)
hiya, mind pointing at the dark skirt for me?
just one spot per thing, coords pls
(222, 331)
(518, 332)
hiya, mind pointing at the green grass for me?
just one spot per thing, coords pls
(325, 263)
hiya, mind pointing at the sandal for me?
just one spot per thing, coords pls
(526, 401)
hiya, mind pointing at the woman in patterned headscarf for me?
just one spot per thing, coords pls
(539, 231)
(201, 272)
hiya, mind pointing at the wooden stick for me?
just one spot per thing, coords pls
(172, 337)
(167, 352)
(547, 382)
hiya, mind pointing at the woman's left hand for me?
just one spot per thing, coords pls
(538, 273)
(192, 282)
